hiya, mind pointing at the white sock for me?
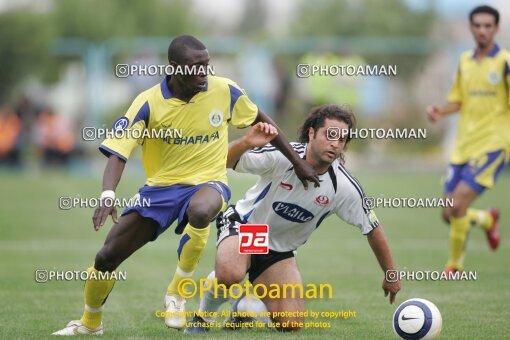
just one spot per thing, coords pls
(210, 304)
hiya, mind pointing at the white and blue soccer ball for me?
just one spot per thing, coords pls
(417, 319)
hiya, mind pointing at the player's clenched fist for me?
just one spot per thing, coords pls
(260, 134)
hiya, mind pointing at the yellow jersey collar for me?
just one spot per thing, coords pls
(165, 91)
(491, 54)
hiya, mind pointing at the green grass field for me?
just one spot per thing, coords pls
(35, 234)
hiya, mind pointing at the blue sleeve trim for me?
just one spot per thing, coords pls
(143, 114)
(108, 152)
(235, 93)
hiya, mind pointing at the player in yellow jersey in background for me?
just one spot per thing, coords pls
(482, 145)
(186, 173)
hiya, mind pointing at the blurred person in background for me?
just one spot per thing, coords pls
(322, 87)
(482, 145)
(10, 135)
(54, 138)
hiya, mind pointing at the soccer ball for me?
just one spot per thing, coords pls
(417, 319)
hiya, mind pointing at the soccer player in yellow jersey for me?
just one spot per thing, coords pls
(186, 173)
(482, 146)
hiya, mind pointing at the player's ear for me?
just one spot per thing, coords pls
(311, 133)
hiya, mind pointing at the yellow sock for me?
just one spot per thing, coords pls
(96, 292)
(480, 218)
(459, 226)
(190, 250)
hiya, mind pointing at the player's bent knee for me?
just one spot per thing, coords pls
(105, 262)
(229, 276)
(200, 216)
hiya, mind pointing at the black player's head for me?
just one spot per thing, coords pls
(182, 46)
(484, 23)
(186, 50)
(327, 129)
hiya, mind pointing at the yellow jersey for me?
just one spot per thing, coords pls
(182, 142)
(482, 89)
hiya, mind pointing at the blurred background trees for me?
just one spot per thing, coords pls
(59, 56)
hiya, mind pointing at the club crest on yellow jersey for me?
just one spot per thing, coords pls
(216, 118)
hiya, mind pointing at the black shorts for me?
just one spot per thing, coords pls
(227, 224)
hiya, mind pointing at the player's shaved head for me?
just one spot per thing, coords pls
(178, 47)
(318, 115)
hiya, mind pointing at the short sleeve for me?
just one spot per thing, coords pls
(259, 161)
(243, 111)
(352, 210)
(127, 131)
(455, 94)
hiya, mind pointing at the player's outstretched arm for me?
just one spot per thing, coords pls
(435, 112)
(303, 169)
(381, 249)
(111, 178)
(259, 135)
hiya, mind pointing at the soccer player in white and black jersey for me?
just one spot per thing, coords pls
(291, 212)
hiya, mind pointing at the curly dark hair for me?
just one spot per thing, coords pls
(318, 115)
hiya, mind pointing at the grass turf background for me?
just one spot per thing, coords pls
(35, 234)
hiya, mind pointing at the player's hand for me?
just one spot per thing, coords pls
(260, 134)
(433, 113)
(305, 173)
(391, 288)
(102, 213)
